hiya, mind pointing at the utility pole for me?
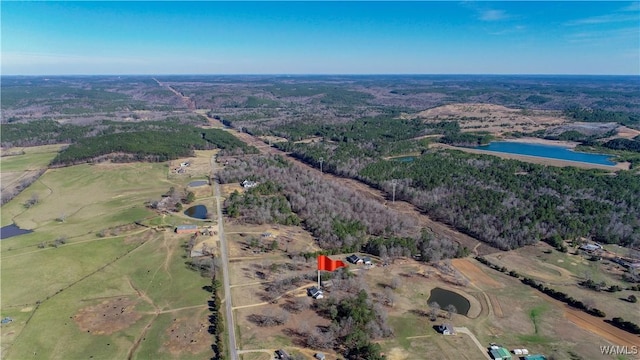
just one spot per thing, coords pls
(320, 160)
(394, 182)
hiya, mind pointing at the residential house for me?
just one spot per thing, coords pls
(354, 259)
(446, 329)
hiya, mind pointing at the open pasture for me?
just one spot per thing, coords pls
(85, 199)
(110, 283)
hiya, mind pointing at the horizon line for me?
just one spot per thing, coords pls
(320, 74)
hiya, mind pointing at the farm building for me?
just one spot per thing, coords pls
(500, 353)
(446, 329)
(590, 247)
(186, 229)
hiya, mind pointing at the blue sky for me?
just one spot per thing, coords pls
(529, 37)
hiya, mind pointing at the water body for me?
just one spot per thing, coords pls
(445, 298)
(198, 183)
(405, 158)
(546, 151)
(197, 212)
(12, 230)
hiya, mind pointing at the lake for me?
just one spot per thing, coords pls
(445, 298)
(546, 151)
(12, 230)
(197, 212)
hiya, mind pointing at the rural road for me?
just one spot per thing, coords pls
(233, 348)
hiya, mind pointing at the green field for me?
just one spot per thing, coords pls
(36, 157)
(105, 260)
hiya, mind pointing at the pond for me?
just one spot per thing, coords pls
(12, 230)
(197, 183)
(405, 158)
(445, 298)
(546, 151)
(197, 212)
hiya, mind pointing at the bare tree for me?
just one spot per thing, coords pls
(434, 309)
(451, 310)
(389, 296)
(395, 283)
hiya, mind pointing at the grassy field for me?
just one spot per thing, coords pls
(112, 289)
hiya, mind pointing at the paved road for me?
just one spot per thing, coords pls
(224, 255)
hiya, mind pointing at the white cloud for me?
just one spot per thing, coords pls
(604, 19)
(493, 15)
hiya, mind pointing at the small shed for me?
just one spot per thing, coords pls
(367, 260)
(185, 229)
(319, 356)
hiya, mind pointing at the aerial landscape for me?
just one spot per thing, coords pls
(323, 180)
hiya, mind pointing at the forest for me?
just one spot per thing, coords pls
(341, 219)
(519, 203)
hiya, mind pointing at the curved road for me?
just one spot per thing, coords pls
(224, 255)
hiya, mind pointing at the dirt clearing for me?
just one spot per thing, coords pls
(108, 317)
(185, 335)
(495, 119)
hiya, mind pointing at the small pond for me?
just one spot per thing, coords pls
(12, 230)
(197, 212)
(197, 183)
(445, 298)
(405, 158)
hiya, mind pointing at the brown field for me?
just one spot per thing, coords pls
(495, 119)
(598, 327)
(475, 274)
(184, 335)
(108, 317)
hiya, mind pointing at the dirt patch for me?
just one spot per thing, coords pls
(397, 354)
(495, 119)
(107, 317)
(187, 336)
(27, 309)
(495, 304)
(475, 274)
(602, 329)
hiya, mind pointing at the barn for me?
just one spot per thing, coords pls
(186, 229)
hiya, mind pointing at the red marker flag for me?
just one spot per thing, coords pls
(324, 263)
